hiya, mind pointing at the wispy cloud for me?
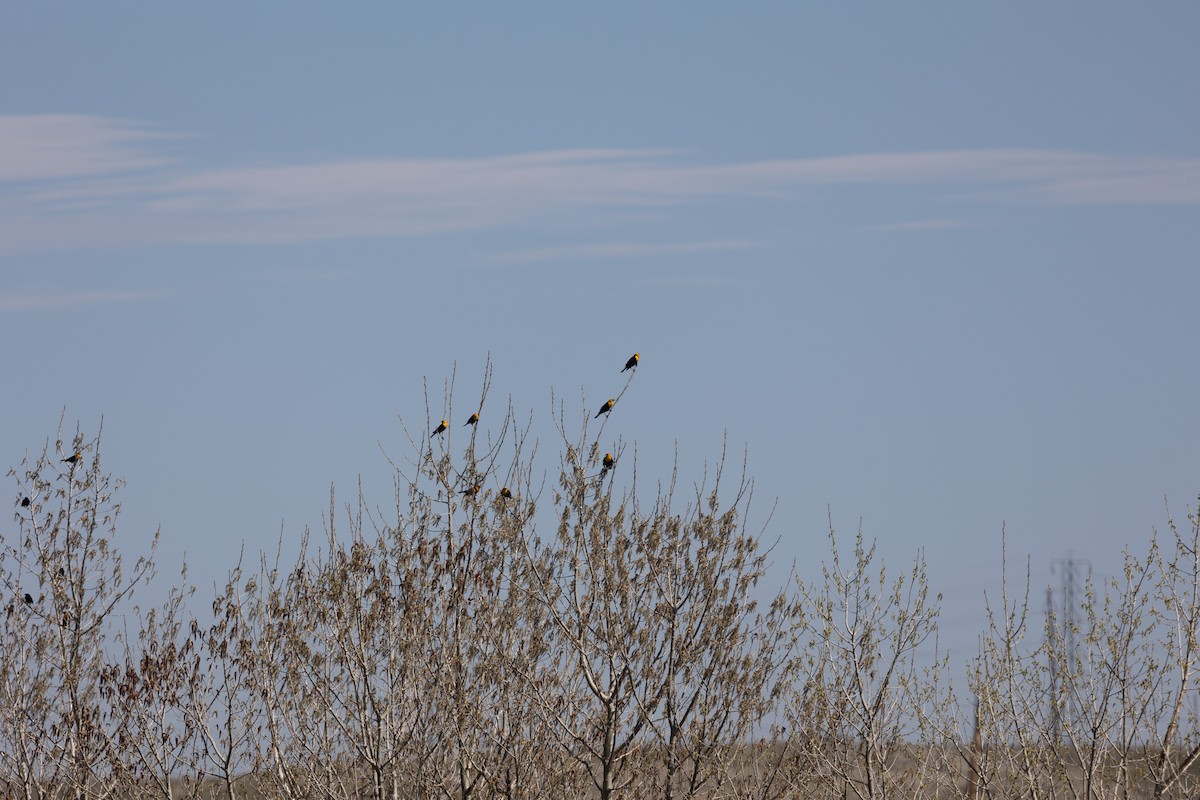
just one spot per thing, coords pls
(28, 302)
(308, 275)
(75, 181)
(921, 225)
(697, 282)
(608, 250)
(53, 146)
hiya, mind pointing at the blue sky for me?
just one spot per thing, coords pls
(931, 265)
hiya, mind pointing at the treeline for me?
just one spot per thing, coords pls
(562, 639)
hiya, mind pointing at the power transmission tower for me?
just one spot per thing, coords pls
(1067, 672)
(1052, 658)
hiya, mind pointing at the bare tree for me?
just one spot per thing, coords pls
(861, 715)
(337, 670)
(66, 582)
(1013, 683)
(660, 668)
(718, 665)
(1100, 710)
(154, 742)
(1175, 733)
(472, 642)
(221, 702)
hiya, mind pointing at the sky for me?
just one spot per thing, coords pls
(930, 267)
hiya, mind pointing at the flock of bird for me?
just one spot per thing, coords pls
(26, 502)
(72, 459)
(608, 463)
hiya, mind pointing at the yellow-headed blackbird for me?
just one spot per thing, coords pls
(28, 599)
(73, 458)
(609, 461)
(471, 491)
(607, 407)
(441, 428)
(473, 419)
(25, 501)
(632, 362)
(505, 493)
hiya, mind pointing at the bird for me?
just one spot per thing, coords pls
(28, 599)
(25, 502)
(632, 362)
(78, 455)
(471, 491)
(505, 493)
(441, 427)
(472, 420)
(609, 462)
(607, 407)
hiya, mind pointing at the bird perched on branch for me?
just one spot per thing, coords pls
(632, 362)
(74, 458)
(474, 418)
(471, 491)
(441, 428)
(25, 501)
(28, 599)
(607, 407)
(505, 493)
(609, 462)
